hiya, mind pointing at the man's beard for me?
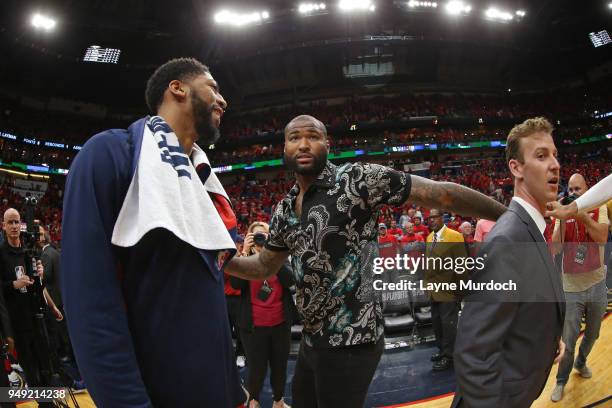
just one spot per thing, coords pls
(314, 169)
(207, 132)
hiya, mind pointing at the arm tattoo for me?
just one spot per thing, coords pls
(256, 267)
(454, 197)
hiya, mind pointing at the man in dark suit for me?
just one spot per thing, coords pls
(443, 243)
(50, 258)
(508, 339)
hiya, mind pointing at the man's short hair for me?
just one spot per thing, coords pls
(521, 131)
(182, 69)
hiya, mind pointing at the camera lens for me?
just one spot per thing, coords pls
(259, 239)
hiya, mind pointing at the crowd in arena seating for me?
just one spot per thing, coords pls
(401, 108)
(254, 200)
(238, 125)
(13, 151)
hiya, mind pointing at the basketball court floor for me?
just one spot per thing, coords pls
(404, 379)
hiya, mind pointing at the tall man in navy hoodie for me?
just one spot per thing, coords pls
(148, 321)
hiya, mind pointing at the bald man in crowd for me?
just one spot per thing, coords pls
(584, 282)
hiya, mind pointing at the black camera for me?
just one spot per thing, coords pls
(260, 238)
(568, 199)
(31, 236)
(264, 292)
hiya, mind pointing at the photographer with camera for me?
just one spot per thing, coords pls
(266, 313)
(584, 281)
(22, 288)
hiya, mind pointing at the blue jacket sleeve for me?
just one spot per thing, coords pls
(93, 300)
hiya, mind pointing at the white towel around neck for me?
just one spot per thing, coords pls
(158, 198)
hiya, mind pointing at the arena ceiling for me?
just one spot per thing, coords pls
(290, 55)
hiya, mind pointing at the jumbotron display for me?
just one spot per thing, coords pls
(95, 53)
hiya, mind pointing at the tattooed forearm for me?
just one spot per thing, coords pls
(256, 267)
(454, 197)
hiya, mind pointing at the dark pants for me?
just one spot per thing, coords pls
(266, 345)
(233, 308)
(30, 357)
(444, 316)
(334, 377)
(62, 340)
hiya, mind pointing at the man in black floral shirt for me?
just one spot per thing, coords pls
(327, 222)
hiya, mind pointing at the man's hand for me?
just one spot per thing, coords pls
(22, 282)
(559, 211)
(248, 243)
(582, 217)
(11, 345)
(58, 315)
(40, 270)
(560, 351)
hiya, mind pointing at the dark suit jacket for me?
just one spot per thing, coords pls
(50, 259)
(507, 340)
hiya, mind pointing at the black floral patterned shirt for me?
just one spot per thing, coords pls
(333, 245)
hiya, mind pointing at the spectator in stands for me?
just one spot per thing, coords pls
(404, 219)
(387, 243)
(394, 229)
(419, 228)
(410, 243)
(266, 314)
(410, 235)
(467, 231)
(443, 242)
(483, 227)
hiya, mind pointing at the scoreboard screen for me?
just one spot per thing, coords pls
(600, 38)
(95, 53)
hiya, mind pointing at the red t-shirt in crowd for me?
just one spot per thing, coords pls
(421, 230)
(405, 239)
(387, 246)
(270, 312)
(395, 231)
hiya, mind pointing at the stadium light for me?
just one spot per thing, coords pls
(520, 13)
(356, 5)
(43, 22)
(240, 19)
(306, 8)
(456, 7)
(496, 14)
(422, 4)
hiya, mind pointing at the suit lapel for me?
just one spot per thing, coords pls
(553, 273)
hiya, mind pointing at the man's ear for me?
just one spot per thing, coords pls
(516, 168)
(177, 89)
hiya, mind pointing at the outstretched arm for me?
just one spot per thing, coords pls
(257, 267)
(454, 197)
